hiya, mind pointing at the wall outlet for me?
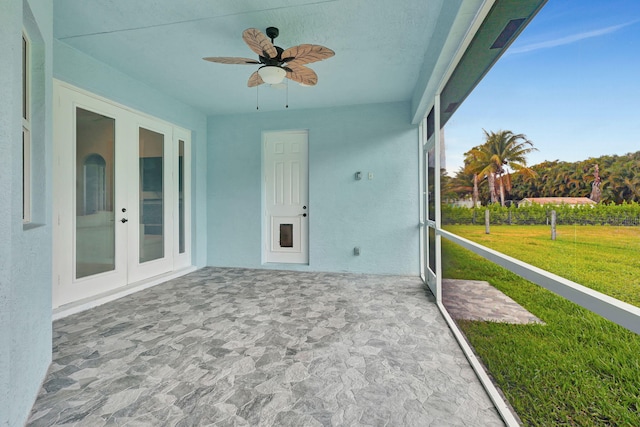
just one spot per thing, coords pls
(356, 251)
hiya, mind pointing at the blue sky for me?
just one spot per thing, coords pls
(570, 83)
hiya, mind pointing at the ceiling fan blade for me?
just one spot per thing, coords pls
(255, 80)
(301, 74)
(230, 60)
(259, 43)
(306, 54)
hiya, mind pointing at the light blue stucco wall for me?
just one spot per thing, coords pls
(25, 252)
(379, 215)
(423, 95)
(78, 69)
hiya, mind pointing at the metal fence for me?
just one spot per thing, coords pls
(616, 215)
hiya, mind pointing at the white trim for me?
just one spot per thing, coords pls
(437, 134)
(26, 72)
(466, 41)
(95, 301)
(622, 313)
(619, 312)
(496, 397)
(95, 96)
(437, 137)
(26, 128)
(430, 144)
(26, 174)
(182, 259)
(450, 62)
(421, 197)
(494, 394)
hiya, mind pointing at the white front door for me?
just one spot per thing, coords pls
(286, 184)
(119, 198)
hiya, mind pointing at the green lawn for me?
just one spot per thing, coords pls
(577, 370)
(603, 258)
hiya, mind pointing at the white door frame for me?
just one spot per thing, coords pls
(182, 259)
(296, 213)
(66, 288)
(137, 270)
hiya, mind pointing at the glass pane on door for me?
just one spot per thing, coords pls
(432, 249)
(95, 215)
(431, 184)
(151, 198)
(181, 236)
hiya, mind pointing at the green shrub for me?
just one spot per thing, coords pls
(627, 214)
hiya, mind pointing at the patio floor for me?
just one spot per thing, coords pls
(478, 300)
(224, 346)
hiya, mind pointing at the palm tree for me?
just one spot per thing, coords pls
(459, 184)
(609, 184)
(596, 194)
(502, 152)
(471, 169)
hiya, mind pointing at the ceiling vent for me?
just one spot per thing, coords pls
(508, 32)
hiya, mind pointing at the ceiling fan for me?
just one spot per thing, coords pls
(277, 63)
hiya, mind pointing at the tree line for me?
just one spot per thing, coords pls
(497, 171)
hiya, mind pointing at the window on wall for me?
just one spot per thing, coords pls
(26, 132)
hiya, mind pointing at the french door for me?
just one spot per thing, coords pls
(119, 196)
(430, 208)
(428, 239)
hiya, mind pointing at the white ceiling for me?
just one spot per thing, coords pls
(380, 46)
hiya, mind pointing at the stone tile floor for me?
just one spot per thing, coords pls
(237, 347)
(478, 300)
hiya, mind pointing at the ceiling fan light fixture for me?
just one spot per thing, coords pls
(272, 74)
(277, 63)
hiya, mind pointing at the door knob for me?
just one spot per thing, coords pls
(123, 220)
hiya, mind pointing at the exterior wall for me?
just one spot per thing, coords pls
(25, 251)
(378, 215)
(76, 68)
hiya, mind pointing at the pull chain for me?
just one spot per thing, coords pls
(257, 99)
(287, 102)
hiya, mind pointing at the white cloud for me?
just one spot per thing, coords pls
(573, 38)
